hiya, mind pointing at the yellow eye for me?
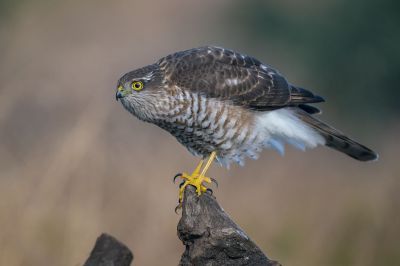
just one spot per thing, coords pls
(137, 85)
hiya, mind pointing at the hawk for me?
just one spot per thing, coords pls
(228, 106)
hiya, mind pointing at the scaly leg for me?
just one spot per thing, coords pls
(196, 179)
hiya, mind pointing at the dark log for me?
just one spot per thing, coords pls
(211, 237)
(108, 251)
(208, 233)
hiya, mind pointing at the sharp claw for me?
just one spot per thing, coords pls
(181, 184)
(178, 207)
(214, 181)
(176, 176)
(210, 190)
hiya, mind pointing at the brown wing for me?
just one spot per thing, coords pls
(229, 76)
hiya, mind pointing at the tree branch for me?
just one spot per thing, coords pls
(212, 238)
(208, 233)
(108, 251)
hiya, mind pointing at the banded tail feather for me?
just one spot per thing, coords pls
(338, 141)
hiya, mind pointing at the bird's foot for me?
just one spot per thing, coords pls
(195, 179)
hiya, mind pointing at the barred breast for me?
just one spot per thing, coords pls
(204, 125)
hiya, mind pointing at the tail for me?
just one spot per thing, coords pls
(337, 140)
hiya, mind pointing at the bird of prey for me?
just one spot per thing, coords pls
(228, 106)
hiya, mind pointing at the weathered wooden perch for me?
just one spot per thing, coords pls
(212, 238)
(108, 251)
(209, 235)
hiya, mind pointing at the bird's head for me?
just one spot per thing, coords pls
(139, 91)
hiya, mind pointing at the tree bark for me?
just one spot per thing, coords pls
(108, 251)
(208, 233)
(212, 238)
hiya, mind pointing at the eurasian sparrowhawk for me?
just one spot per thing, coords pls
(227, 106)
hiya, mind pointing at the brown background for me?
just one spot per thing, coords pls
(74, 164)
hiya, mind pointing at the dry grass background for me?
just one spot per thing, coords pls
(74, 164)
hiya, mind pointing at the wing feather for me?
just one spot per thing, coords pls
(229, 76)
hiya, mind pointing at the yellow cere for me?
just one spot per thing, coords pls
(137, 85)
(120, 88)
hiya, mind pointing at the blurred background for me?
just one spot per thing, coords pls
(74, 164)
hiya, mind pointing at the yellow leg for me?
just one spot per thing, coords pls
(196, 179)
(208, 164)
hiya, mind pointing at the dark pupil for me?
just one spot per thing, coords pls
(137, 85)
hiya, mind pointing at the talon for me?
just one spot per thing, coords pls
(196, 179)
(178, 207)
(176, 176)
(210, 191)
(214, 181)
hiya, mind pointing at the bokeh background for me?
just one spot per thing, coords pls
(74, 164)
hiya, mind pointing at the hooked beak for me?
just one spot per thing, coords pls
(120, 93)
